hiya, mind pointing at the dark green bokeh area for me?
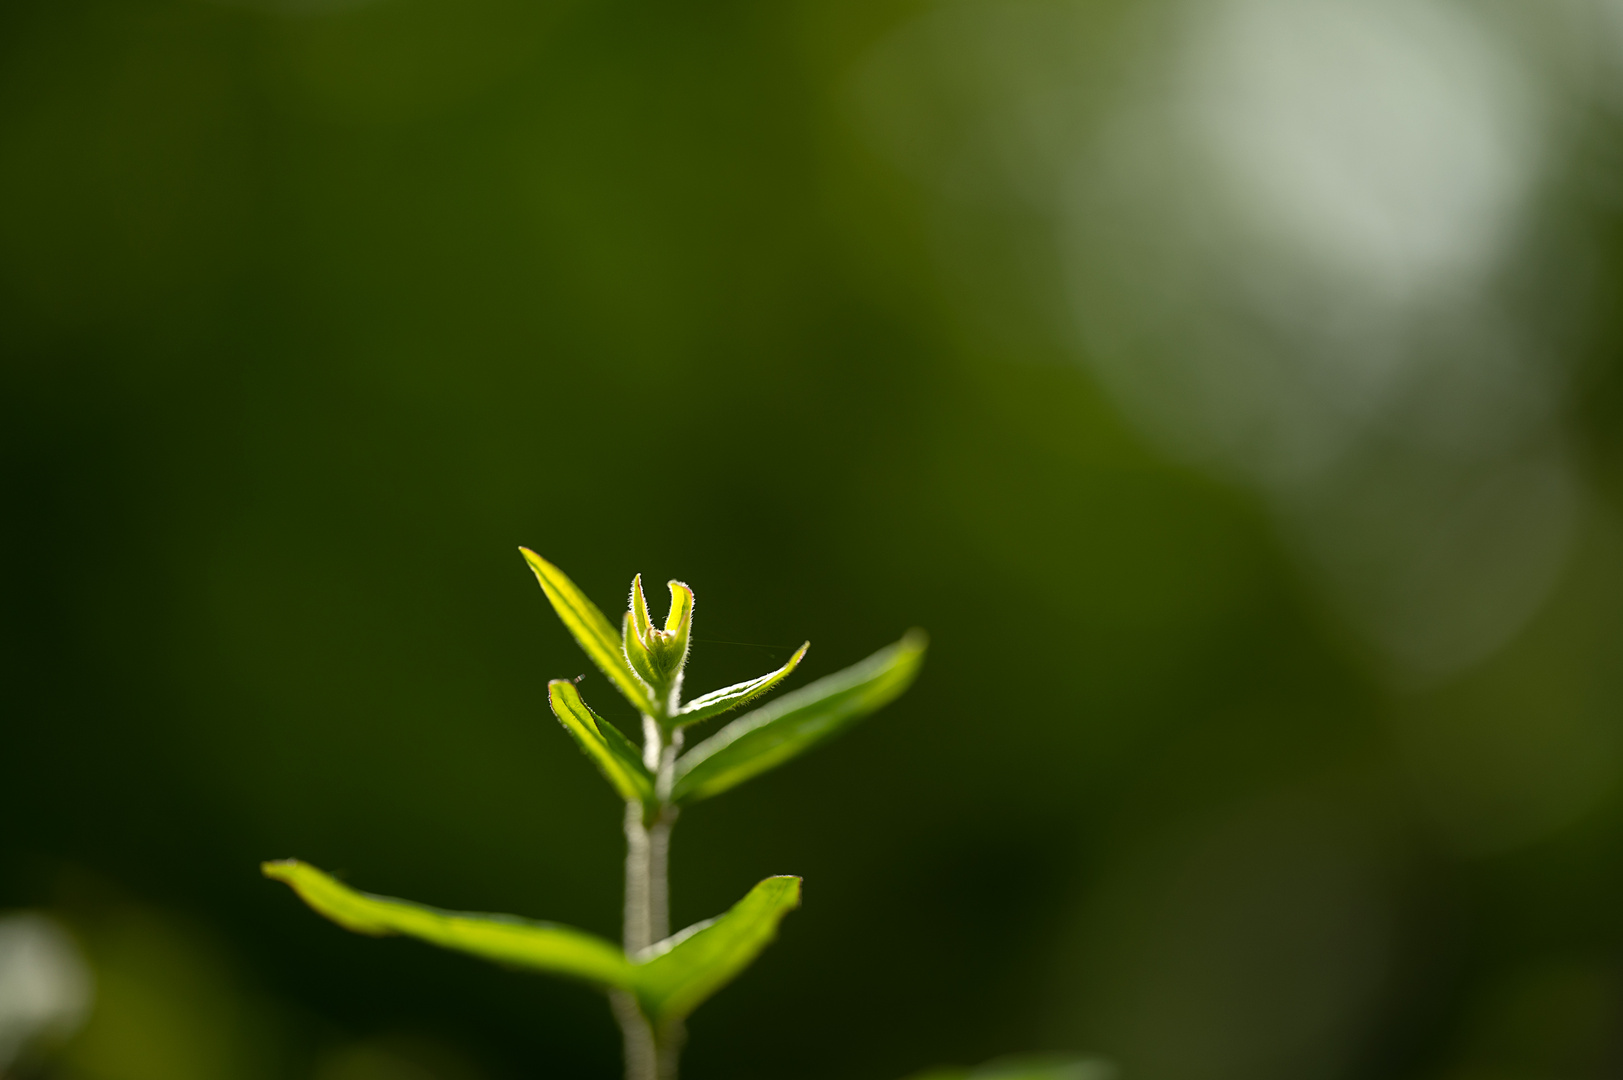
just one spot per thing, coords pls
(312, 313)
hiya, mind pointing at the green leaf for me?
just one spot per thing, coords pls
(725, 700)
(615, 756)
(678, 625)
(636, 651)
(638, 610)
(793, 724)
(506, 939)
(677, 975)
(594, 632)
(658, 656)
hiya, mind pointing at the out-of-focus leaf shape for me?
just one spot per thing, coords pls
(595, 633)
(615, 756)
(728, 698)
(677, 975)
(773, 734)
(1029, 1068)
(506, 939)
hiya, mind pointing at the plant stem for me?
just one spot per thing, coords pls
(639, 882)
(649, 1054)
(642, 1056)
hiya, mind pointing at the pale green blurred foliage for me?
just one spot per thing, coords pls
(1343, 254)
(46, 988)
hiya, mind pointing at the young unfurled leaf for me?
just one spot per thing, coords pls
(1039, 1068)
(507, 939)
(675, 976)
(658, 656)
(725, 700)
(638, 610)
(671, 647)
(637, 651)
(595, 633)
(773, 734)
(614, 755)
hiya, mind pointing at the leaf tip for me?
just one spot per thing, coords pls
(542, 569)
(279, 869)
(791, 884)
(681, 612)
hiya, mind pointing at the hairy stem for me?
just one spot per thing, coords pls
(650, 1054)
(641, 1052)
(659, 882)
(659, 840)
(639, 929)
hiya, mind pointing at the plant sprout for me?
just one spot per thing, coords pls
(654, 979)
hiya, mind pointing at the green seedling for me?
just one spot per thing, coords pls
(654, 979)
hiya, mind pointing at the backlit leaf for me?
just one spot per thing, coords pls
(668, 648)
(595, 633)
(636, 651)
(507, 939)
(638, 610)
(675, 976)
(615, 756)
(725, 700)
(793, 724)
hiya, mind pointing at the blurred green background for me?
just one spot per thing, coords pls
(1231, 389)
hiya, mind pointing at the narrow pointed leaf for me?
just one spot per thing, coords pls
(793, 724)
(595, 633)
(638, 609)
(507, 939)
(677, 975)
(725, 700)
(680, 617)
(636, 652)
(615, 756)
(624, 750)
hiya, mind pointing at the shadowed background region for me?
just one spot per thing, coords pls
(1232, 389)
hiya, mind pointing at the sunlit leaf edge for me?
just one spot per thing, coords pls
(604, 744)
(505, 939)
(728, 698)
(590, 629)
(674, 977)
(786, 728)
